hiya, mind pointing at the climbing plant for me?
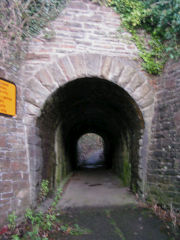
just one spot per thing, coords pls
(155, 28)
(22, 19)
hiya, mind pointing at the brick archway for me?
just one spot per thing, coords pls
(121, 71)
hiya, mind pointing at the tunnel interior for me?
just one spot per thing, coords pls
(90, 105)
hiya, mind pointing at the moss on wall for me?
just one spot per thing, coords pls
(62, 168)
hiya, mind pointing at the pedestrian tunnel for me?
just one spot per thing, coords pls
(84, 106)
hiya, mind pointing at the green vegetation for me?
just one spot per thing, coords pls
(154, 25)
(74, 230)
(44, 190)
(28, 17)
(114, 224)
(126, 174)
(12, 221)
(157, 195)
(22, 19)
(38, 225)
(39, 13)
(155, 28)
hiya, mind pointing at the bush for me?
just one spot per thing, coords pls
(159, 18)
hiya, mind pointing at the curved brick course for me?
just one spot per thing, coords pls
(123, 72)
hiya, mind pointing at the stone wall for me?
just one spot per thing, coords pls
(14, 167)
(84, 42)
(164, 159)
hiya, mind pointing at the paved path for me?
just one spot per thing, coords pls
(95, 187)
(114, 223)
(104, 210)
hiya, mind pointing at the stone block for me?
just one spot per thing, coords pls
(31, 109)
(138, 79)
(7, 195)
(5, 186)
(2, 73)
(105, 66)
(141, 91)
(4, 165)
(148, 113)
(77, 5)
(18, 166)
(92, 62)
(36, 57)
(45, 78)
(2, 121)
(147, 100)
(12, 156)
(3, 142)
(34, 98)
(36, 87)
(67, 68)
(56, 73)
(20, 186)
(12, 176)
(5, 208)
(4, 130)
(116, 69)
(78, 64)
(170, 84)
(126, 76)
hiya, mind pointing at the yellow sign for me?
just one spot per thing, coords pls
(7, 98)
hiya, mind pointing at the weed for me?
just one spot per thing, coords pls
(113, 223)
(44, 190)
(15, 237)
(64, 228)
(38, 225)
(76, 230)
(108, 213)
(12, 221)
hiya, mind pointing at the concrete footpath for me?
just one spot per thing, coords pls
(95, 187)
(98, 207)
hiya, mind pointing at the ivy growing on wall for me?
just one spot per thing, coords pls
(155, 28)
(22, 19)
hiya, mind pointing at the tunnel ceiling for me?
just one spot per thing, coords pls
(91, 105)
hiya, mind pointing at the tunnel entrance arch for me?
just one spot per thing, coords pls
(87, 84)
(92, 105)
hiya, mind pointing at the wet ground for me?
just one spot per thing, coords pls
(113, 223)
(97, 207)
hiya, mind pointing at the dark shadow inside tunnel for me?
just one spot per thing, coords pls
(90, 105)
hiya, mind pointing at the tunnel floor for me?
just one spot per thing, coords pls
(95, 187)
(97, 206)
